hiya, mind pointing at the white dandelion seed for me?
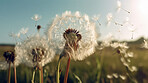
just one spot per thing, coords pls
(126, 20)
(115, 75)
(107, 41)
(96, 18)
(121, 45)
(109, 18)
(36, 17)
(77, 14)
(130, 54)
(17, 35)
(119, 7)
(35, 51)
(132, 29)
(145, 44)
(109, 76)
(124, 62)
(133, 69)
(128, 60)
(24, 31)
(122, 77)
(79, 40)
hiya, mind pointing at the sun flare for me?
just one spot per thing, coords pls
(143, 6)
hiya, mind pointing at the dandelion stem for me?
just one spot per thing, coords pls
(35, 23)
(67, 70)
(41, 74)
(32, 81)
(15, 79)
(132, 35)
(125, 10)
(58, 74)
(111, 81)
(9, 74)
(99, 23)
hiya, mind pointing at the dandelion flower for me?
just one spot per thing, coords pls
(73, 33)
(74, 36)
(10, 58)
(35, 51)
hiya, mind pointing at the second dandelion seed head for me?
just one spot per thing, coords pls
(9, 56)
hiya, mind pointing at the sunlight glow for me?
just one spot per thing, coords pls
(143, 6)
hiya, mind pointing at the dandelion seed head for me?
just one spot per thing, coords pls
(80, 27)
(10, 57)
(35, 51)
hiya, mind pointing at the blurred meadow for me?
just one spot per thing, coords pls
(104, 41)
(88, 69)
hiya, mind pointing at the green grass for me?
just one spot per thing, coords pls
(86, 70)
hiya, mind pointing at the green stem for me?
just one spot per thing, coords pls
(33, 75)
(41, 74)
(9, 74)
(14, 72)
(67, 70)
(99, 61)
(58, 74)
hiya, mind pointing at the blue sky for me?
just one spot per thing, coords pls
(16, 14)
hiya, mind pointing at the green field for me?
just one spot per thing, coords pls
(87, 70)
